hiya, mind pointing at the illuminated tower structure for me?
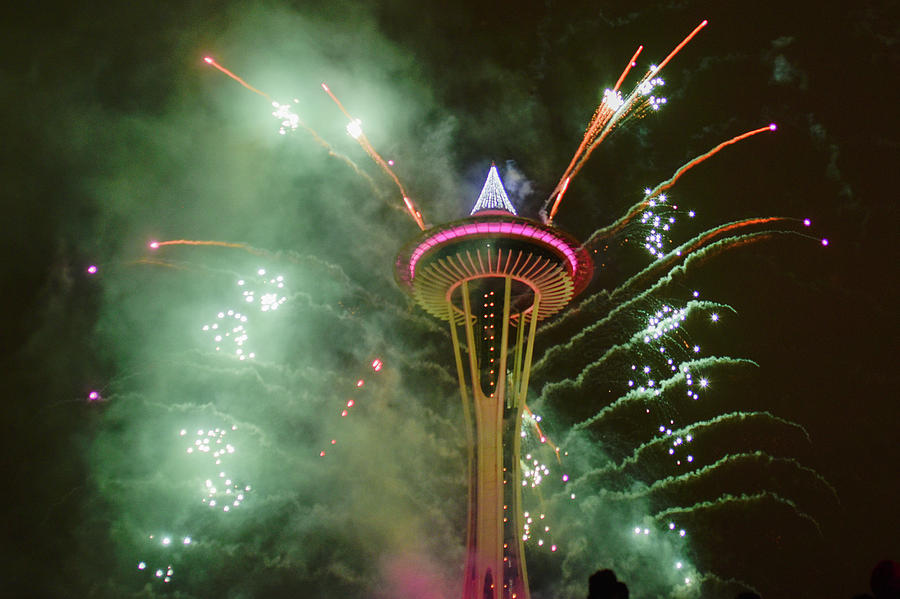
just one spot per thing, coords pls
(494, 275)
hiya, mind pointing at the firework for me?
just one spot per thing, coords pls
(354, 129)
(166, 550)
(210, 61)
(155, 245)
(348, 404)
(613, 111)
(655, 195)
(220, 491)
(631, 64)
(229, 330)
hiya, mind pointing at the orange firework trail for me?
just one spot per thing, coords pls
(683, 43)
(210, 61)
(729, 228)
(158, 263)
(628, 67)
(703, 157)
(155, 245)
(225, 244)
(699, 243)
(544, 438)
(606, 118)
(635, 210)
(363, 141)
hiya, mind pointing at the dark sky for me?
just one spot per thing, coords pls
(117, 133)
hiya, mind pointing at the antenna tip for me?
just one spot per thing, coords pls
(208, 59)
(773, 127)
(704, 22)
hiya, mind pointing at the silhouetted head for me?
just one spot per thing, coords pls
(748, 595)
(603, 585)
(619, 591)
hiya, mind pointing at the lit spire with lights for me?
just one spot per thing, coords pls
(493, 196)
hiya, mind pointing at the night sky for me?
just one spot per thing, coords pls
(117, 133)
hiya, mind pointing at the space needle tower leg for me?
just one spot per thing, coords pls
(494, 566)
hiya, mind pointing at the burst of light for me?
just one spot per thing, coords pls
(824, 241)
(354, 128)
(212, 443)
(613, 99)
(93, 396)
(92, 269)
(153, 245)
(286, 116)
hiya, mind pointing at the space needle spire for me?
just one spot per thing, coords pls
(493, 195)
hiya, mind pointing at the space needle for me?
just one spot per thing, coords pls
(493, 276)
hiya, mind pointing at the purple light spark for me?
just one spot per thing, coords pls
(93, 396)
(806, 222)
(92, 269)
